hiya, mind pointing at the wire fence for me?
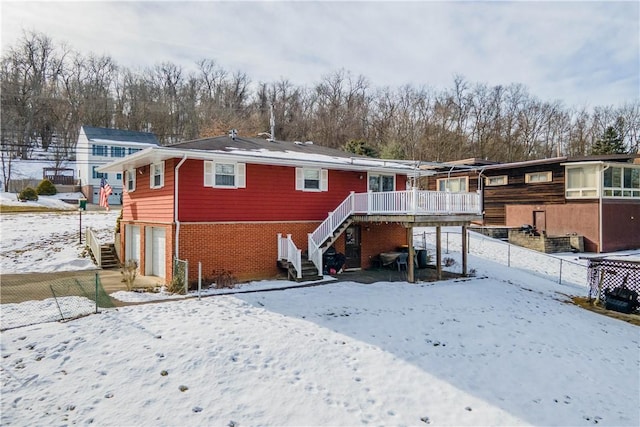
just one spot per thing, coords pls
(562, 270)
(29, 299)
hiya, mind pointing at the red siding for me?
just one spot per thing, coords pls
(269, 195)
(147, 204)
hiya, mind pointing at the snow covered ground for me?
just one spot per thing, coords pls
(504, 348)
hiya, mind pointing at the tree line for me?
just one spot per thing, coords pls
(49, 90)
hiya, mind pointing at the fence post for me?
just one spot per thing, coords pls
(200, 278)
(56, 300)
(186, 276)
(97, 281)
(508, 255)
(560, 278)
(447, 242)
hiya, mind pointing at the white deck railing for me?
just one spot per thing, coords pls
(94, 246)
(410, 202)
(288, 251)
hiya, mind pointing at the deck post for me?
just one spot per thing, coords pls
(410, 264)
(439, 252)
(464, 250)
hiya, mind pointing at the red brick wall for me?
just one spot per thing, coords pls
(248, 250)
(378, 238)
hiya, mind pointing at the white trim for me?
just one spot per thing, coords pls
(131, 173)
(152, 175)
(323, 180)
(239, 174)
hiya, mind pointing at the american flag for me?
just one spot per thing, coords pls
(105, 192)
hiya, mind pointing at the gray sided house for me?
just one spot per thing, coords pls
(98, 146)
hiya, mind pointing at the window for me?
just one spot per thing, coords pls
(537, 177)
(581, 182)
(382, 182)
(119, 176)
(133, 150)
(130, 180)
(224, 175)
(310, 179)
(118, 152)
(491, 181)
(454, 185)
(99, 150)
(621, 181)
(98, 175)
(157, 175)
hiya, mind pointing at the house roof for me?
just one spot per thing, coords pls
(261, 151)
(119, 135)
(565, 159)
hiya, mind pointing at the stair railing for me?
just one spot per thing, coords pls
(288, 251)
(94, 246)
(326, 228)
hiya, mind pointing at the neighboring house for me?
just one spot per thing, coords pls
(246, 205)
(99, 146)
(597, 197)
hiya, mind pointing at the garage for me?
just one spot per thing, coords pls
(155, 251)
(132, 243)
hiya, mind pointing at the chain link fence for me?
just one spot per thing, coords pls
(28, 299)
(559, 269)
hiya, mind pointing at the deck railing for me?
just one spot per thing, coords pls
(410, 202)
(288, 251)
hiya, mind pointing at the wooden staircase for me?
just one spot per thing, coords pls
(108, 256)
(326, 245)
(309, 271)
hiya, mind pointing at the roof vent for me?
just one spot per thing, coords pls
(233, 133)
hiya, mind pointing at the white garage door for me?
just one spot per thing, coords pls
(114, 199)
(132, 240)
(155, 253)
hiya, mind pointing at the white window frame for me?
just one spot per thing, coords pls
(582, 191)
(495, 181)
(379, 177)
(624, 190)
(239, 174)
(548, 177)
(98, 175)
(156, 169)
(447, 182)
(118, 151)
(99, 150)
(130, 180)
(301, 182)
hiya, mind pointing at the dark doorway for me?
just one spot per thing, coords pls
(540, 221)
(352, 246)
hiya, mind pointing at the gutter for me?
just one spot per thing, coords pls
(175, 206)
(600, 191)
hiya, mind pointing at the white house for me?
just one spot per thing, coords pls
(99, 146)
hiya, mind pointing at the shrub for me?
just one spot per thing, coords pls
(118, 222)
(129, 271)
(448, 262)
(224, 279)
(28, 194)
(46, 188)
(177, 285)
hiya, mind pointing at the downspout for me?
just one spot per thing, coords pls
(175, 206)
(600, 191)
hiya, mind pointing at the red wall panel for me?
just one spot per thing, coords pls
(147, 204)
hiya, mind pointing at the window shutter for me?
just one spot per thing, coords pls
(241, 175)
(324, 180)
(162, 173)
(208, 174)
(299, 179)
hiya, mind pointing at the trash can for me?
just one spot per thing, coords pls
(82, 204)
(422, 258)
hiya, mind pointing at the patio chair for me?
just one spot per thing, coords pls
(402, 260)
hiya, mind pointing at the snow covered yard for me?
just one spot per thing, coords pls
(495, 351)
(505, 348)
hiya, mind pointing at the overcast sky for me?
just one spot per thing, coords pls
(582, 53)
